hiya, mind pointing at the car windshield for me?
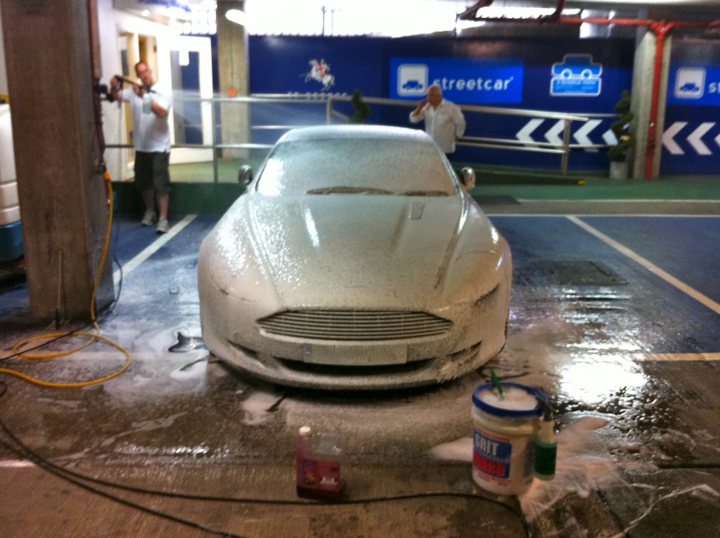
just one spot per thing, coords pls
(357, 166)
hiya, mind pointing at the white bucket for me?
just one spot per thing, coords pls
(504, 431)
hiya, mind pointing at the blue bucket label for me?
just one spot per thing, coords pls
(491, 455)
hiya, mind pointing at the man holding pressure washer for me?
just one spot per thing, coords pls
(151, 138)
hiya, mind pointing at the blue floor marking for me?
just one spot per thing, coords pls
(130, 238)
(661, 318)
(687, 248)
(162, 291)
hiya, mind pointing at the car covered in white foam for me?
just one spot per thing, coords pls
(356, 259)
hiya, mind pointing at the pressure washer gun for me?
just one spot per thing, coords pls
(103, 89)
(126, 80)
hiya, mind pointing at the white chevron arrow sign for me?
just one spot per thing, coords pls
(581, 135)
(610, 138)
(695, 139)
(524, 134)
(668, 138)
(553, 134)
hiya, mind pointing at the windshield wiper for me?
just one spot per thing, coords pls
(424, 193)
(348, 190)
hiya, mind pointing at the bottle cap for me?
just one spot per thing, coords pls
(305, 431)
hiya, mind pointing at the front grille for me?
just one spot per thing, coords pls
(354, 325)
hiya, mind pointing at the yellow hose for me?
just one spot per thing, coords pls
(93, 337)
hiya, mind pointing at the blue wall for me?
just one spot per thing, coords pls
(372, 65)
(691, 144)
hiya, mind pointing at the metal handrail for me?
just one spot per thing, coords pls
(546, 114)
(562, 149)
(327, 100)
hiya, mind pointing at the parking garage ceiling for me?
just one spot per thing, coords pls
(407, 17)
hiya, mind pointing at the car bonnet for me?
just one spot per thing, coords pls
(354, 250)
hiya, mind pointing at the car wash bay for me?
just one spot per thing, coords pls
(615, 316)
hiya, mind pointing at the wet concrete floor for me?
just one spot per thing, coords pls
(616, 317)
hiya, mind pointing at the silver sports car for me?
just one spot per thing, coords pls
(355, 260)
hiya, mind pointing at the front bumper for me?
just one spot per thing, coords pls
(232, 333)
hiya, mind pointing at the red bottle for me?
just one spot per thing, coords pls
(317, 466)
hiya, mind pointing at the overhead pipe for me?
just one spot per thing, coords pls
(660, 28)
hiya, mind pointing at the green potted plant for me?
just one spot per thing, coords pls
(362, 111)
(618, 154)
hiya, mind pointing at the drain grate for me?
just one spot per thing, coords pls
(577, 273)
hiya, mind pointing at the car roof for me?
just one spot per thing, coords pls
(377, 132)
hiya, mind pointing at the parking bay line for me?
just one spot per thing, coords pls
(647, 264)
(153, 247)
(675, 357)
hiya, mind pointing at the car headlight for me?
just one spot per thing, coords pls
(484, 297)
(474, 276)
(230, 265)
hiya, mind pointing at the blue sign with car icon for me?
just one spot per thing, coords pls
(576, 75)
(413, 85)
(462, 80)
(690, 87)
(693, 84)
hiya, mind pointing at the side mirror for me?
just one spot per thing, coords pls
(245, 174)
(467, 178)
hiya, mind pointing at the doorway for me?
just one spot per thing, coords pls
(191, 68)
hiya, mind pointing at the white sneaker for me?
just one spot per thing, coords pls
(162, 226)
(149, 218)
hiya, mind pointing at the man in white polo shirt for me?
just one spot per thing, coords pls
(444, 121)
(151, 137)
